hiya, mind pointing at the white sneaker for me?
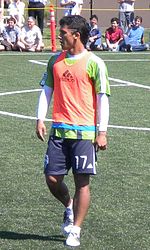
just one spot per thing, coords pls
(73, 239)
(68, 221)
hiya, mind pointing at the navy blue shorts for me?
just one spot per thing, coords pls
(63, 154)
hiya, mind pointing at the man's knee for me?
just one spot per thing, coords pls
(82, 181)
(53, 181)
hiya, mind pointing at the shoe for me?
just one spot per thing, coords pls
(129, 48)
(123, 49)
(68, 221)
(73, 239)
(147, 46)
(99, 48)
(88, 48)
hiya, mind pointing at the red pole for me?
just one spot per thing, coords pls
(53, 28)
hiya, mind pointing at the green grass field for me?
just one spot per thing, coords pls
(119, 216)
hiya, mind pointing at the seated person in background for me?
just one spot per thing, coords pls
(31, 37)
(11, 35)
(16, 10)
(2, 26)
(134, 38)
(94, 42)
(1, 35)
(113, 36)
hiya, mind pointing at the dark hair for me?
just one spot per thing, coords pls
(115, 19)
(11, 19)
(138, 17)
(94, 16)
(77, 23)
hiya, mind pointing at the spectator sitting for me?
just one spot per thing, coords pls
(113, 36)
(134, 39)
(1, 24)
(16, 10)
(31, 37)
(1, 32)
(94, 42)
(11, 35)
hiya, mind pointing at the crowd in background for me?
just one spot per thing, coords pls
(124, 34)
(18, 35)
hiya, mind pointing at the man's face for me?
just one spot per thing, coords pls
(93, 21)
(66, 37)
(31, 23)
(11, 24)
(137, 22)
(114, 25)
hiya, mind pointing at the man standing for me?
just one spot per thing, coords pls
(36, 9)
(126, 13)
(16, 10)
(72, 7)
(78, 79)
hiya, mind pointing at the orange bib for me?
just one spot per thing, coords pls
(74, 92)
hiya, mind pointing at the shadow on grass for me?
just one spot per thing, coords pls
(21, 236)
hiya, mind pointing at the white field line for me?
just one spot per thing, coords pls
(20, 92)
(130, 83)
(127, 60)
(129, 128)
(34, 118)
(38, 62)
(17, 115)
(51, 53)
(124, 53)
(27, 54)
(118, 85)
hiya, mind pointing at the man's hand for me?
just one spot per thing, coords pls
(40, 130)
(101, 141)
(91, 39)
(28, 46)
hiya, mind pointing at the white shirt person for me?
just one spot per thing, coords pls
(16, 10)
(31, 37)
(126, 13)
(73, 7)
